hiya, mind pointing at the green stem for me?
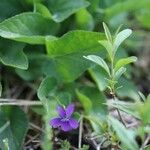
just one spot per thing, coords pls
(113, 89)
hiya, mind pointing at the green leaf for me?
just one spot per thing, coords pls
(126, 6)
(84, 20)
(28, 27)
(119, 72)
(98, 60)
(128, 107)
(121, 36)
(142, 16)
(100, 76)
(66, 53)
(13, 126)
(96, 106)
(13, 7)
(126, 136)
(85, 101)
(107, 32)
(93, 101)
(42, 9)
(127, 90)
(144, 111)
(11, 54)
(38, 64)
(46, 96)
(62, 9)
(108, 47)
(64, 98)
(124, 61)
(45, 89)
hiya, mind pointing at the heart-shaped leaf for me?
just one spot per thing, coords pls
(62, 9)
(66, 53)
(11, 54)
(28, 27)
(46, 87)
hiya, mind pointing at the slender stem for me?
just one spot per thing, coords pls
(119, 114)
(113, 89)
(145, 143)
(80, 132)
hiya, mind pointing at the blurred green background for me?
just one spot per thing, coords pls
(35, 36)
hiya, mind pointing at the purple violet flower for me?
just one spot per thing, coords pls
(64, 120)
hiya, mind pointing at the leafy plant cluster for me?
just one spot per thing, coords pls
(63, 53)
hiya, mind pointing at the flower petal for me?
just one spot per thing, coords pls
(73, 123)
(69, 110)
(65, 126)
(61, 111)
(55, 122)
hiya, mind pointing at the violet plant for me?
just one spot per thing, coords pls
(113, 131)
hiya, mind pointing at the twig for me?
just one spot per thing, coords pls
(120, 117)
(119, 114)
(36, 127)
(32, 139)
(101, 143)
(80, 132)
(145, 143)
(19, 102)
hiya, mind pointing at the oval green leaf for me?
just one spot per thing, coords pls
(98, 60)
(124, 61)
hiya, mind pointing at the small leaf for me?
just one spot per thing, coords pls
(98, 60)
(107, 32)
(108, 47)
(46, 87)
(121, 36)
(119, 72)
(124, 61)
(126, 136)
